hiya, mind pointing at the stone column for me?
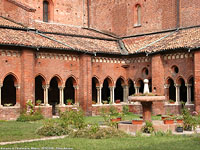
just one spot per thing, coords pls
(17, 95)
(166, 87)
(125, 93)
(45, 87)
(75, 94)
(188, 93)
(177, 93)
(0, 95)
(61, 96)
(112, 94)
(99, 99)
(137, 89)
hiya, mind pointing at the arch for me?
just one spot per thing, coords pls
(179, 80)
(44, 80)
(74, 79)
(110, 81)
(8, 90)
(137, 16)
(183, 89)
(69, 91)
(58, 79)
(191, 82)
(39, 91)
(119, 89)
(138, 81)
(15, 78)
(48, 10)
(131, 87)
(96, 81)
(122, 79)
(95, 84)
(53, 94)
(172, 90)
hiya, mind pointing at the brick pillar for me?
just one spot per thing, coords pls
(0, 94)
(197, 80)
(27, 76)
(85, 88)
(157, 74)
(158, 82)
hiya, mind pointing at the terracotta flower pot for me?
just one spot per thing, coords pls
(69, 103)
(164, 117)
(137, 122)
(179, 121)
(117, 101)
(114, 120)
(168, 121)
(119, 119)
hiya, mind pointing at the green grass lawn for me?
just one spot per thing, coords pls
(13, 130)
(129, 143)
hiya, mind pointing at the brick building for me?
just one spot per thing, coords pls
(97, 50)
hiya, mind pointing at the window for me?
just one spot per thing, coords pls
(45, 11)
(137, 15)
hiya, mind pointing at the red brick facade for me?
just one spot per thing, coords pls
(57, 54)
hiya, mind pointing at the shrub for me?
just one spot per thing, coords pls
(148, 127)
(30, 117)
(53, 128)
(190, 122)
(125, 110)
(96, 132)
(73, 118)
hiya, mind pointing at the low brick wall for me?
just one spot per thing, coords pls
(9, 113)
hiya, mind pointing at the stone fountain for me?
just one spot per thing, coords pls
(146, 101)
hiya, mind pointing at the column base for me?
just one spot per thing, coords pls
(1, 105)
(61, 105)
(177, 103)
(189, 103)
(46, 105)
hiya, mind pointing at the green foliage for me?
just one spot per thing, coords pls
(162, 133)
(190, 122)
(38, 102)
(69, 101)
(74, 118)
(95, 132)
(148, 127)
(52, 128)
(30, 117)
(125, 110)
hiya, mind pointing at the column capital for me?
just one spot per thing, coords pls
(17, 86)
(188, 85)
(177, 85)
(137, 86)
(99, 87)
(111, 87)
(166, 86)
(45, 86)
(61, 87)
(1, 85)
(125, 86)
(75, 86)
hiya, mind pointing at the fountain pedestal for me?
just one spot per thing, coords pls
(147, 108)
(146, 102)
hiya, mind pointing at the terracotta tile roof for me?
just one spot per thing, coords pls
(184, 38)
(65, 29)
(88, 44)
(22, 5)
(24, 38)
(8, 23)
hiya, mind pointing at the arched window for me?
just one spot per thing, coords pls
(137, 15)
(45, 11)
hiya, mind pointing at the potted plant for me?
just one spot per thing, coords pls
(93, 102)
(137, 121)
(168, 120)
(165, 116)
(38, 102)
(117, 101)
(179, 119)
(7, 105)
(105, 102)
(171, 101)
(179, 128)
(148, 127)
(69, 101)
